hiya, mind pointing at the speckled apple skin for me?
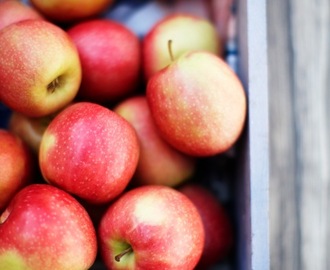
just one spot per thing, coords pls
(198, 104)
(159, 162)
(46, 228)
(162, 226)
(90, 151)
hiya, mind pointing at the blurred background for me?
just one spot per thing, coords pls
(299, 99)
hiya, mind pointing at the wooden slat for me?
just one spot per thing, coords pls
(299, 81)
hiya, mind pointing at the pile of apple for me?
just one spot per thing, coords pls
(104, 137)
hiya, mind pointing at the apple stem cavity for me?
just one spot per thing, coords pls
(120, 255)
(51, 87)
(169, 46)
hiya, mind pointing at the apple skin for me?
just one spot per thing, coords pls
(12, 11)
(160, 224)
(159, 163)
(198, 104)
(187, 32)
(70, 10)
(110, 56)
(90, 151)
(40, 69)
(17, 166)
(46, 228)
(219, 230)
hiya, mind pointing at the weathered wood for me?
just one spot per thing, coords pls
(299, 79)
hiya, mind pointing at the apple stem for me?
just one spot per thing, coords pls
(169, 45)
(120, 255)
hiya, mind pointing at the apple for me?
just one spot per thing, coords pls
(198, 104)
(151, 227)
(218, 228)
(30, 129)
(159, 163)
(46, 228)
(17, 166)
(110, 56)
(89, 151)
(70, 10)
(40, 69)
(12, 11)
(187, 32)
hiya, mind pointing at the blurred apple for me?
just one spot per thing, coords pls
(219, 230)
(110, 59)
(90, 151)
(30, 129)
(12, 11)
(40, 69)
(198, 104)
(46, 228)
(151, 227)
(70, 10)
(159, 163)
(16, 166)
(187, 32)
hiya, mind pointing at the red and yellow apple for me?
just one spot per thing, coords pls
(198, 104)
(46, 228)
(89, 151)
(187, 32)
(40, 69)
(70, 10)
(151, 227)
(159, 163)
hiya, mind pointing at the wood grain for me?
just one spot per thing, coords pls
(299, 94)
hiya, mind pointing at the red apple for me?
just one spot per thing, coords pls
(219, 232)
(198, 104)
(187, 32)
(16, 166)
(159, 163)
(90, 151)
(12, 11)
(40, 68)
(70, 10)
(110, 59)
(46, 228)
(151, 227)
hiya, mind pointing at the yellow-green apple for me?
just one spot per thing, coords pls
(40, 69)
(30, 129)
(198, 104)
(110, 56)
(12, 11)
(151, 227)
(46, 228)
(159, 163)
(90, 151)
(187, 32)
(218, 228)
(70, 10)
(17, 166)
